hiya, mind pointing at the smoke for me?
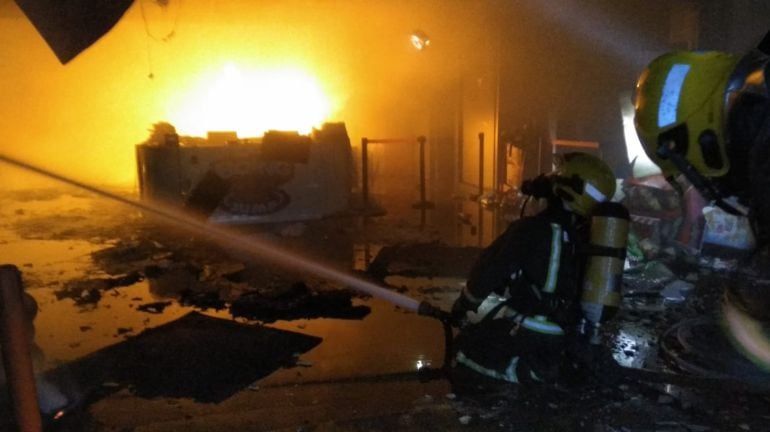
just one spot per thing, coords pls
(84, 118)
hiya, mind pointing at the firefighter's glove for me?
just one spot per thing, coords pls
(460, 309)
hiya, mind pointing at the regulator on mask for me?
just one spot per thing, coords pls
(604, 268)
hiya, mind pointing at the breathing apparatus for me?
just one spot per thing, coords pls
(585, 184)
(604, 267)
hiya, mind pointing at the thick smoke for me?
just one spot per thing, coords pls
(84, 118)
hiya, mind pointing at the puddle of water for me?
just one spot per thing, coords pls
(388, 340)
(47, 263)
(66, 331)
(635, 346)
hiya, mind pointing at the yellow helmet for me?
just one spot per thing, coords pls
(582, 180)
(680, 108)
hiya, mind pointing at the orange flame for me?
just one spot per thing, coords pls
(253, 102)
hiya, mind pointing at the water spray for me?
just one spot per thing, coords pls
(257, 248)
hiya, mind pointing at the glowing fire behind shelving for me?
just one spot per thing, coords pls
(251, 102)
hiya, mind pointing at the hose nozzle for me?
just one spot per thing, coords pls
(427, 309)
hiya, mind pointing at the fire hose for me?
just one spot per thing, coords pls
(447, 323)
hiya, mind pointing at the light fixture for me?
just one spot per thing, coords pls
(420, 40)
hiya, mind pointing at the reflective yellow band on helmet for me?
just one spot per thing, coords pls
(594, 193)
(672, 90)
(541, 325)
(554, 260)
(509, 374)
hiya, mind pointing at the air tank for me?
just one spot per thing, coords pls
(604, 267)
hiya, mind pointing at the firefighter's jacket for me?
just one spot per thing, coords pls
(535, 264)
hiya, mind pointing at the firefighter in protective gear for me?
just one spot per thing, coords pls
(707, 115)
(536, 266)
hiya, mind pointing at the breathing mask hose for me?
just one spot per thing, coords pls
(604, 268)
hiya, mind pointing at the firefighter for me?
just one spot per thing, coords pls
(536, 267)
(706, 115)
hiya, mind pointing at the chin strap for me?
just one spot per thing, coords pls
(704, 185)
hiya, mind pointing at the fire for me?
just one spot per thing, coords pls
(253, 102)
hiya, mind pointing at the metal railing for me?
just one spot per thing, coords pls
(423, 203)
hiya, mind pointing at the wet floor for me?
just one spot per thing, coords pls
(351, 378)
(388, 340)
(50, 235)
(67, 331)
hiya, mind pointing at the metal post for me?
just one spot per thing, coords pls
(501, 173)
(460, 138)
(17, 359)
(421, 140)
(423, 203)
(365, 173)
(481, 164)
